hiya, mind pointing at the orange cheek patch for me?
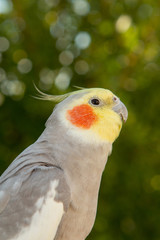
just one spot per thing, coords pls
(82, 116)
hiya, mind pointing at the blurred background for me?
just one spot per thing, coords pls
(107, 43)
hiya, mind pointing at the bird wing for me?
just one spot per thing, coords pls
(32, 203)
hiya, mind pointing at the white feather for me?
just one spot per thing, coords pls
(44, 223)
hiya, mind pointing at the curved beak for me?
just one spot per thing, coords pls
(121, 109)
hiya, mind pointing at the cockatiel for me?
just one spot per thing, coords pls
(50, 191)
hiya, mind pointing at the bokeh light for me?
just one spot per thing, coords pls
(63, 78)
(57, 30)
(123, 23)
(47, 77)
(81, 7)
(52, 3)
(50, 17)
(2, 74)
(24, 65)
(145, 11)
(66, 58)
(63, 42)
(13, 88)
(82, 40)
(5, 6)
(81, 67)
(18, 55)
(4, 44)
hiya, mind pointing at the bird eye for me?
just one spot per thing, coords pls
(95, 101)
(115, 99)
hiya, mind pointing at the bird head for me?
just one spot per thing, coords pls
(95, 115)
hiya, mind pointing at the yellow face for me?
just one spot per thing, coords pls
(93, 114)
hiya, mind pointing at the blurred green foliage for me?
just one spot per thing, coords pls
(109, 44)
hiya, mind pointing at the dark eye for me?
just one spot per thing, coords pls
(95, 101)
(115, 99)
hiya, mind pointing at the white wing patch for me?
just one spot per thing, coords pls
(44, 223)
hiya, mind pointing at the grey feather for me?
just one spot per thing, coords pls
(55, 155)
(20, 206)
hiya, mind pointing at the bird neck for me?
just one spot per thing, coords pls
(79, 160)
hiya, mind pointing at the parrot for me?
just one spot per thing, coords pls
(50, 191)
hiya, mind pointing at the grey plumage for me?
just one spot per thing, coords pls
(56, 155)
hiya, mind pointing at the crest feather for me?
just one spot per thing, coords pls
(53, 98)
